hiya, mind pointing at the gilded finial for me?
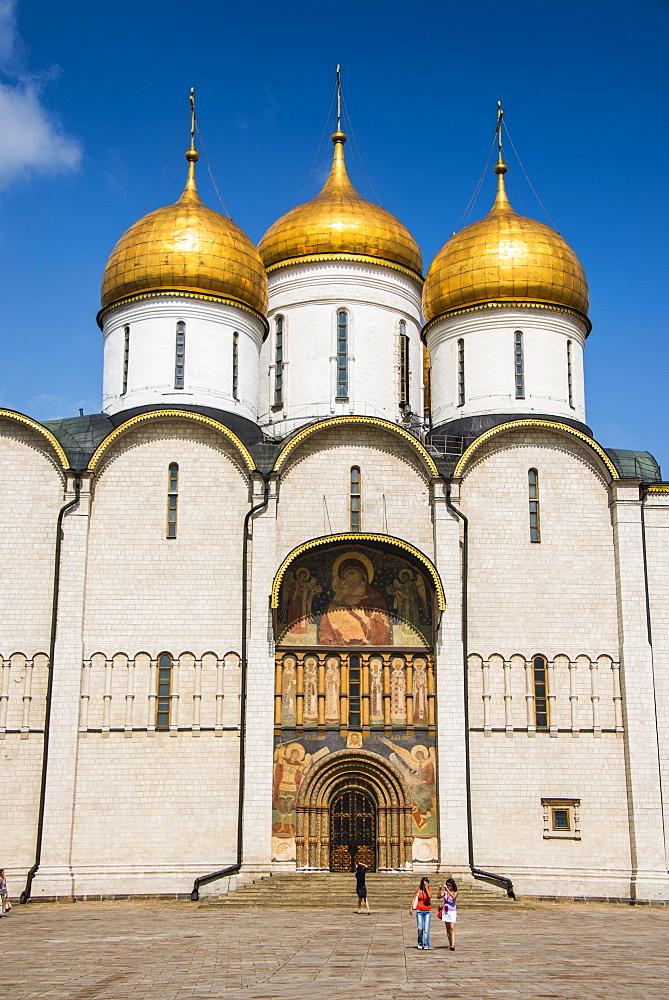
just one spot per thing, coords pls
(338, 97)
(192, 154)
(339, 137)
(501, 201)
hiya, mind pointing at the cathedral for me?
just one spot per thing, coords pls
(337, 575)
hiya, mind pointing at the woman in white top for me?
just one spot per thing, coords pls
(3, 892)
(449, 893)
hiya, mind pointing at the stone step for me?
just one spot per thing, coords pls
(337, 891)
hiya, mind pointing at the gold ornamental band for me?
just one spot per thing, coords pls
(314, 258)
(500, 303)
(182, 293)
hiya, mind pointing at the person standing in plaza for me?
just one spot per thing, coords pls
(3, 892)
(422, 907)
(361, 887)
(449, 893)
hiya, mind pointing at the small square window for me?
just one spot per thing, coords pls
(561, 819)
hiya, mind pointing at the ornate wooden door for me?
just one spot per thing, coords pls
(352, 832)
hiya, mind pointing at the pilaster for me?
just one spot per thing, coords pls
(257, 813)
(55, 876)
(649, 878)
(450, 690)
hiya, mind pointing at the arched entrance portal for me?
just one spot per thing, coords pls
(352, 831)
(353, 804)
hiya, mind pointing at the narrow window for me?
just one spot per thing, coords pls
(540, 692)
(278, 362)
(172, 499)
(180, 358)
(235, 366)
(354, 692)
(461, 373)
(355, 498)
(533, 483)
(570, 384)
(427, 385)
(404, 365)
(126, 356)
(342, 355)
(520, 365)
(164, 691)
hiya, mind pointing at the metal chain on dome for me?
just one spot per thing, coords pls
(206, 160)
(358, 153)
(167, 166)
(528, 179)
(477, 190)
(320, 144)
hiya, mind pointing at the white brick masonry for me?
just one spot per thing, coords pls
(208, 375)
(489, 363)
(308, 297)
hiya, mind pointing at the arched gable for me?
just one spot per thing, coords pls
(469, 454)
(54, 450)
(359, 537)
(188, 415)
(421, 452)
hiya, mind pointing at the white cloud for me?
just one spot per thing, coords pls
(31, 140)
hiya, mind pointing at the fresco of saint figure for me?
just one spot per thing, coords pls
(288, 691)
(398, 691)
(420, 690)
(310, 689)
(418, 766)
(357, 614)
(409, 597)
(291, 763)
(332, 677)
(299, 590)
(376, 688)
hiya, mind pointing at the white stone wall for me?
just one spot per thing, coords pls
(489, 362)
(656, 518)
(510, 776)
(308, 297)
(530, 597)
(145, 595)
(210, 327)
(314, 492)
(145, 591)
(556, 598)
(31, 494)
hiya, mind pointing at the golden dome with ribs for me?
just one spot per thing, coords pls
(504, 258)
(186, 248)
(339, 224)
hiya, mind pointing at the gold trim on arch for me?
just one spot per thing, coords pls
(358, 536)
(553, 425)
(501, 303)
(355, 419)
(21, 418)
(181, 293)
(361, 258)
(157, 415)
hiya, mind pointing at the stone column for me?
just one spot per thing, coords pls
(55, 876)
(450, 688)
(656, 518)
(649, 878)
(259, 756)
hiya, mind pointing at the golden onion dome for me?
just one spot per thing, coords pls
(338, 224)
(187, 249)
(502, 259)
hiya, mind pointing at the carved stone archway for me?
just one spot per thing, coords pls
(371, 774)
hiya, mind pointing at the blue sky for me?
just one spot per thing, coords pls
(93, 97)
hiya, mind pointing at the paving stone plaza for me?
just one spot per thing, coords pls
(179, 951)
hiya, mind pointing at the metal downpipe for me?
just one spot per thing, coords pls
(478, 873)
(232, 869)
(25, 895)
